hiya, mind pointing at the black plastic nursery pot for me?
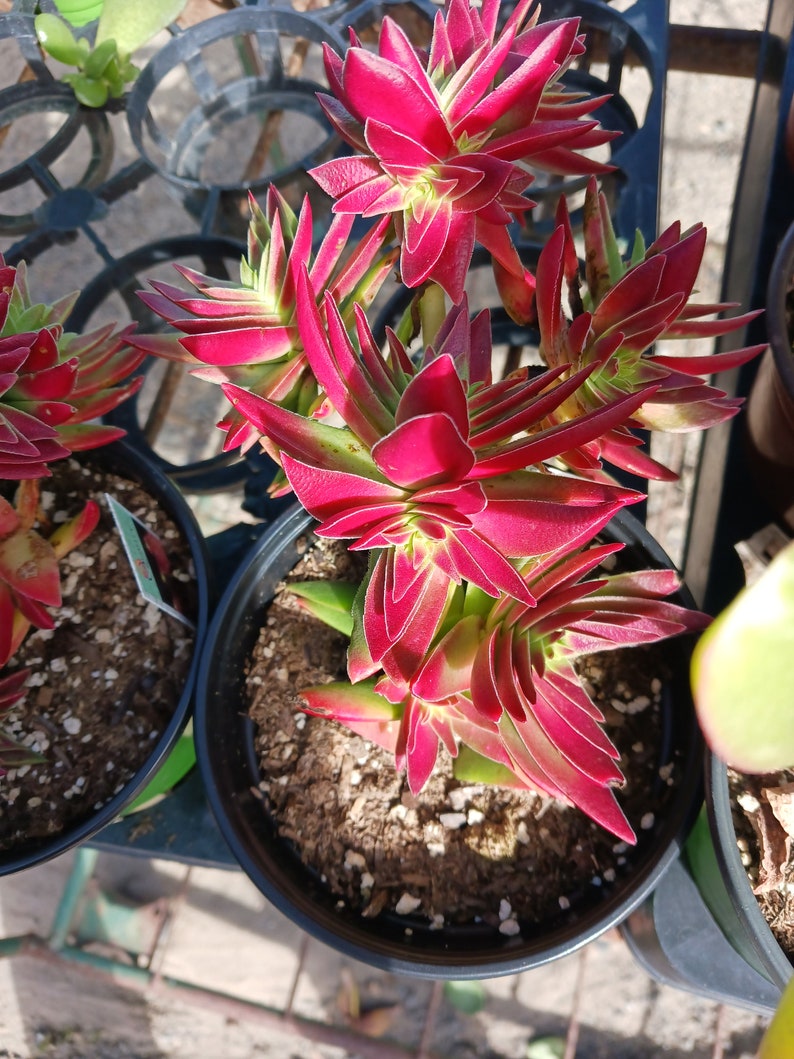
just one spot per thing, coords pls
(124, 460)
(715, 862)
(404, 944)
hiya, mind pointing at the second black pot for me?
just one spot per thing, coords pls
(125, 460)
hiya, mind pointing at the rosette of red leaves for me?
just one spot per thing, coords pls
(29, 577)
(500, 680)
(439, 469)
(614, 318)
(54, 384)
(443, 138)
(245, 331)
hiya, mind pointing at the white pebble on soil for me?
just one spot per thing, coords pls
(509, 927)
(407, 904)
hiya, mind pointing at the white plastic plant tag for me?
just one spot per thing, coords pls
(147, 560)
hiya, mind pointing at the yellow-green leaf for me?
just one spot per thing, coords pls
(471, 767)
(131, 23)
(777, 1042)
(99, 59)
(89, 92)
(80, 12)
(57, 39)
(742, 673)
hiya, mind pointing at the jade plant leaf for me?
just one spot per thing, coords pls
(742, 676)
(58, 40)
(132, 24)
(79, 12)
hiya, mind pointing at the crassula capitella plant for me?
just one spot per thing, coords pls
(478, 499)
(54, 386)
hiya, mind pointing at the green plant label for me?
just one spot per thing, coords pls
(148, 561)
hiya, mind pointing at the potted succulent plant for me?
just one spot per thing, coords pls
(481, 504)
(69, 594)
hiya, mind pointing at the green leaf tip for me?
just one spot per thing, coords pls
(331, 602)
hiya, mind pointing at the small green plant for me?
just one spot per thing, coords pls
(104, 70)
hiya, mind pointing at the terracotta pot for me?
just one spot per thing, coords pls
(770, 408)
(230, 771)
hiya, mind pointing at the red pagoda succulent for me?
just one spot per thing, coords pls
(13, 752)
(477, 499)
(615, 318)
(246, 332)
(438, 468)
(54, 384)
(29, 578)
(443, 138)
(499, 679)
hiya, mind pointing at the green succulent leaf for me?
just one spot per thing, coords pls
(468, 997)
(329, 601)
(89, 92)
(131, 24)
(128, 71)
(175, 767)
(100, 58)
(57, 40)
(80, 12)
(742, 677)
(472, 767)
(113, 79)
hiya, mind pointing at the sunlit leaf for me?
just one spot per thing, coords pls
(742, 676)
(80, 12)
(132, 24)
(57, 39)
(777, 1039)
(471, 767)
